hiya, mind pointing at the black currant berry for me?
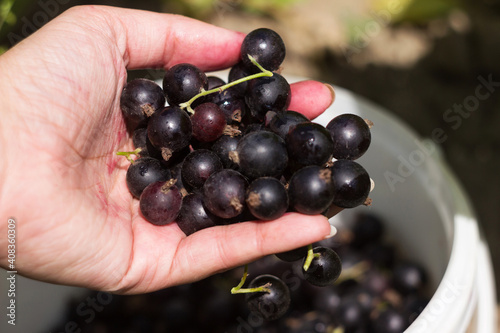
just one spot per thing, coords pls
(390, 321)
(214, 82)
(351, 315)
(267, 198)
(351, 136)
(311, 190)
(223, 146)
(198, 166)
(270, 305)
(144, 171)
(281, 124)
(325, 267)
(409, 278)
(293, 255)
(268, 94)
(239, 71)
(231, 103)
(261, 154)
(140, 98)
(208, 122)
(182, 82)
(160, 202)
(140, 140)
(351, 182)
(308, 144)
(266, 46)
(193, 216)
(170, 130)
(224, 193)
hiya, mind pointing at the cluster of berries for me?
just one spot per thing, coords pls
(223, 153)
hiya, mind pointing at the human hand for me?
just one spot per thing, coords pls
(60, 178)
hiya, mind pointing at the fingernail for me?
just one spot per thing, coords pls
(333, 232)
(332, 92)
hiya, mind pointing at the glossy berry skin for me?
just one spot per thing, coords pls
(325, 269)
(281, 124)
(214, 82)
(224, 193)
(140, 140)
(351, 315)
(170, 130)
(310, 190)
(270, 305)
(231, 103)
(144, 171)
(351, 182)
(351, 136)
(267, 198)
(261, 154)
(293, 255)
(182, 82)
(140, 98)
(160, 202)
(266, 46)
(193, 216)
(223, 146)
(390, 321)
(208, 122)
(408, 278)
(268, 94)
(308, 144)
(198, 166)
(239, 71)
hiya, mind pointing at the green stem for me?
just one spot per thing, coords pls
(264, 72)
(310, 256)
(128, 153)
(239, 290)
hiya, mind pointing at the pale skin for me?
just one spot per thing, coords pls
(61, 125)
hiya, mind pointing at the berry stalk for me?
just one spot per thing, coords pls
(128, 153)
(310, 256)
(239, 290)
(264, 72)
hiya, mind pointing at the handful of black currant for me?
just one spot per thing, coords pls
(223, 153)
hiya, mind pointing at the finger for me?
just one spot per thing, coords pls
(311, 98)
(163, 40)
(215, 249)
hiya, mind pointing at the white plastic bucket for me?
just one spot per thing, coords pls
(427, 212)
(430, 217)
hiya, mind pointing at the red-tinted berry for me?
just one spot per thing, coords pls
(208, 122)
(160, 202)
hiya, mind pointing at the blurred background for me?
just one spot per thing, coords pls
(423, 60)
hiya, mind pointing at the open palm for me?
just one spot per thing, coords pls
(61, 180)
